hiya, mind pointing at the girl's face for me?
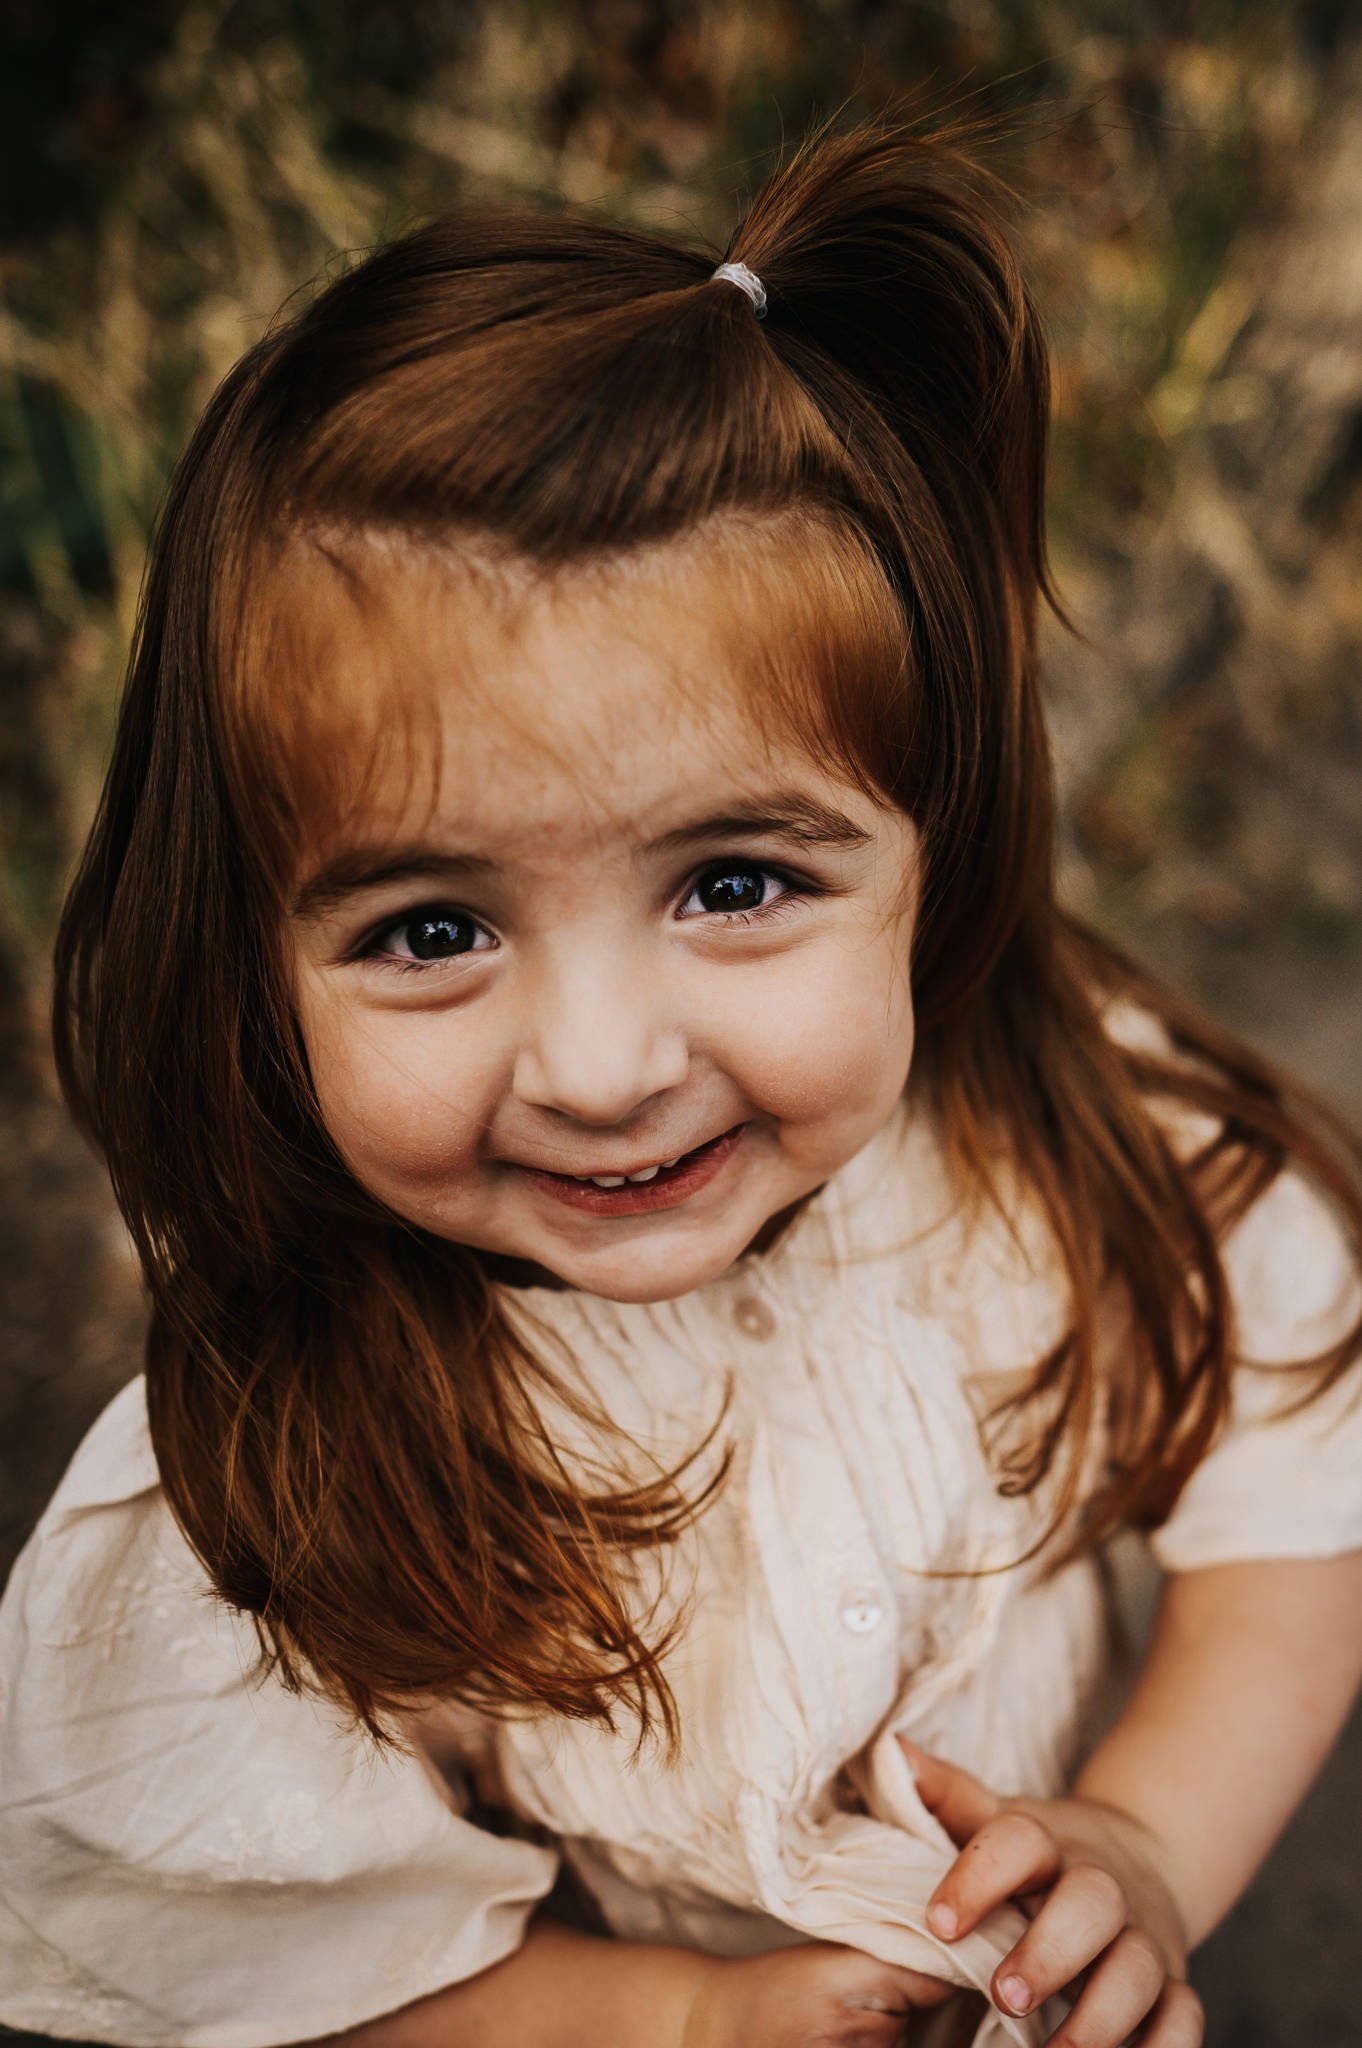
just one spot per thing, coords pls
(612, 977)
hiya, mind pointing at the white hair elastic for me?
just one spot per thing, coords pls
(747, 281)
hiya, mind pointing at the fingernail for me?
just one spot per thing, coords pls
(1015, 1994)
(942, 1920)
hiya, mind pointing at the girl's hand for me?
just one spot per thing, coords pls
(1107, 1930)
(814, 1996)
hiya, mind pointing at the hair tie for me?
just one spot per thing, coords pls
(747, 281)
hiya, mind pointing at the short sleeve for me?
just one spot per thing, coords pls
(1278, 1485)
(189, 1854)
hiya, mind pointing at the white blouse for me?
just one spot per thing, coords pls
(190, 1857)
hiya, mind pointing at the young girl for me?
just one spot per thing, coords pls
(672, 1261)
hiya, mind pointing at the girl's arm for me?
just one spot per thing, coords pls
(561, 1989)
(1250, 1676)
(565, 1989)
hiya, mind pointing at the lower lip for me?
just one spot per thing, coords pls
(640, 1198)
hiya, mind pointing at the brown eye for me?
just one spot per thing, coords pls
(432, 938)
(732, 888)
(434, 934)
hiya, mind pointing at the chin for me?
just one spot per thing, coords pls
(634, 1274)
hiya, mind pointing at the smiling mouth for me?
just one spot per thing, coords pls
(643, 1175)
(651, 1187)
(617, 1180)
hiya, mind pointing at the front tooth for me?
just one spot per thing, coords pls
(608, 1180)
(648, 1173)
(674, 1162)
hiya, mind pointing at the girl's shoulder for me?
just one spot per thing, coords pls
(989, 1264)
(1282, 1478)
(106, 1587)
(1291, 1263)
(106, 1542)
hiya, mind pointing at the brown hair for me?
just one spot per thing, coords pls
(346, 1425)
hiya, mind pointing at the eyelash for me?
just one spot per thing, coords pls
(794, 888)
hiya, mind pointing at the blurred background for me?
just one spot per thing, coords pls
(1191, 212)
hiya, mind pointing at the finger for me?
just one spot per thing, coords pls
(874, 2008)
(868, 2030)
(1123, 1990)
(924, 1992)
(1082, 1917)
(866, 1984)
(1013, 1853)
(1179, 2019)
(865, 2030)
(913, 1992)
(958, 1800)
(906, 1999)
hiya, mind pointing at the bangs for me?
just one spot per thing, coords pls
(361, 642)
(326, 685)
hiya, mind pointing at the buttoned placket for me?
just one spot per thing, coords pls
(824, 1577)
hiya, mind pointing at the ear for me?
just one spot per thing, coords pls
(953, 1796)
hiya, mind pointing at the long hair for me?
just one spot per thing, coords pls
(348, 1428)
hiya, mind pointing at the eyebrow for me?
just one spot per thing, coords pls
(786, 815)
(783, 815)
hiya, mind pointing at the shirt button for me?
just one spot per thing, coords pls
(753, 1317)
(861, 1610)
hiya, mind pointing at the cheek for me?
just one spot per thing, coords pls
(836, 1042)
(396, 1106)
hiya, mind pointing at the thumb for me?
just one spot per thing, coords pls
(953, 1796)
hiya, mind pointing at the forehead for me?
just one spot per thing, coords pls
(412, 682)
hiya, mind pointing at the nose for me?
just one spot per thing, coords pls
(600, 1045)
